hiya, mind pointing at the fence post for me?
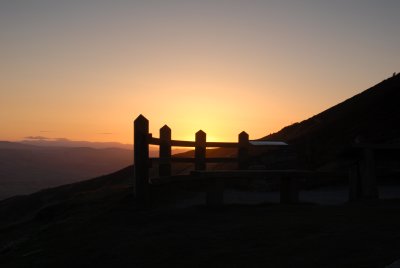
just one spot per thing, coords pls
(243, 150)
(200, 150)
(368, 175)
(289, 193)
(165, 151)
(355, 187)
(141, 159)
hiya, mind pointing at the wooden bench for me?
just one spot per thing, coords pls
(289, 180)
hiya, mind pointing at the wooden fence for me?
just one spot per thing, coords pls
(142, 161)
(361, 173)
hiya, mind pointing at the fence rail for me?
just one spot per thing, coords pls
(209, 144)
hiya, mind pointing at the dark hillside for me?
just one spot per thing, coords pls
(372, 116)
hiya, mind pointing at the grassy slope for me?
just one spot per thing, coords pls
(372, 116)
(97, 224)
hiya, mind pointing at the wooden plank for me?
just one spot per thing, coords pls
(207, 160)
(210, 144)
(377, 146)
(182, 159)
(179, 143)
(172, 179)
(183, 143)
(252, 173)
(154, 141)
(221, 159)
(222, 144)
(268, 143)
(246, 174)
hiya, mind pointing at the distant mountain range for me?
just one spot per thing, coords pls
(70, 143)
(25, 168)
(32, 165)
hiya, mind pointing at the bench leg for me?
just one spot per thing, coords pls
(215, 193)
(368, 176)
(289, 192)
(355, 189)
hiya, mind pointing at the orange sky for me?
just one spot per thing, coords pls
(84, 70)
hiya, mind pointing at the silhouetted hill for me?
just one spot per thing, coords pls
(372, 116)
(27, 168)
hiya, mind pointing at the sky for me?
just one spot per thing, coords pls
(85, 69)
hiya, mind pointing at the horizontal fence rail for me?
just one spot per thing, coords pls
(210, 144)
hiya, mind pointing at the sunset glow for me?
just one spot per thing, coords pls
(84, 70)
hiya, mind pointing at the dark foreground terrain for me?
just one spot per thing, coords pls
(96, 223)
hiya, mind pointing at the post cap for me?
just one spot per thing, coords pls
(243, 133)
(200, 133)
(141, 118)
(165, 127)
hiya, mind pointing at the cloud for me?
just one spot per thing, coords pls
(62, 139)
(37, 138)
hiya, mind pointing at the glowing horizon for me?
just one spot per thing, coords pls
(84, 70)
